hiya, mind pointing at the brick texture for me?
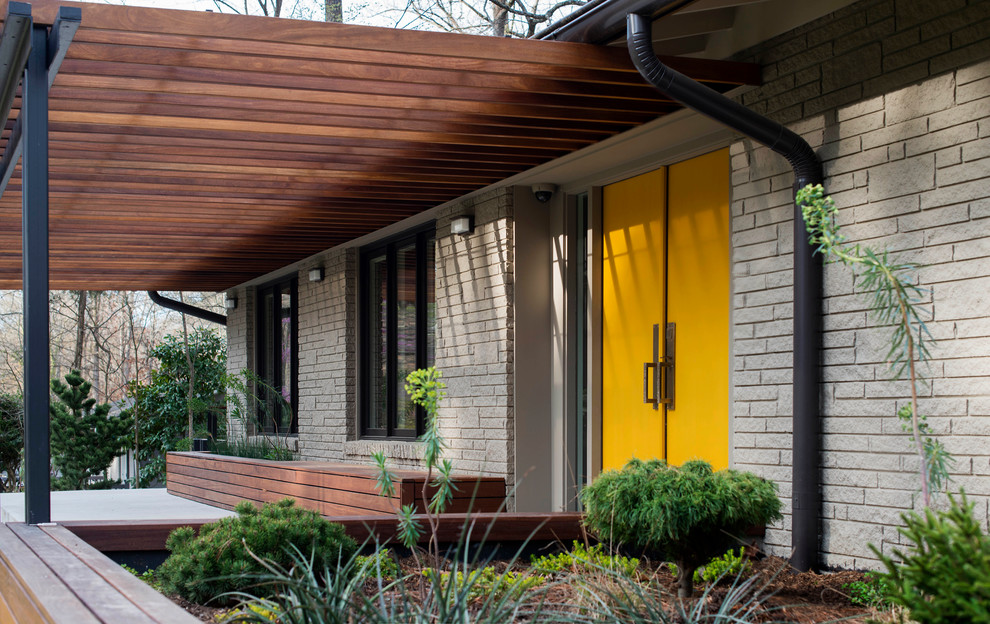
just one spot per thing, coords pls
(896, 99)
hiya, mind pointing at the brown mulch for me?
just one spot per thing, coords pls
(790, 596)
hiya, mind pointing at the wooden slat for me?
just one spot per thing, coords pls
(154, 605)
(41, 597)
(166, 126)
(98, 596)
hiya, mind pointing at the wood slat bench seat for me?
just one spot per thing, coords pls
(49, 575)
(332, 489)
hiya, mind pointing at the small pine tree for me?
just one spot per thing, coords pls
(85, 437)
(691, 514)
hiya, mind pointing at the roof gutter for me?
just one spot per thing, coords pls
(805, 500)
(185, 308)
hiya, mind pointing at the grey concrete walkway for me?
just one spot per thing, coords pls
(146, 504)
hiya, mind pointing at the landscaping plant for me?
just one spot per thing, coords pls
(583, 559)
(873, 591)
(945, 576)
(11, 441)
(690, 514)
(250, 399)
(730, 565)
(228, 553)
(161, 407)
(426, 390)
(85, 437)
(895, 299)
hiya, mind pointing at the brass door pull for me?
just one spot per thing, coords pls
(663, 370)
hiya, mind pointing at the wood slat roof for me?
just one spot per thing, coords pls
(195, 151)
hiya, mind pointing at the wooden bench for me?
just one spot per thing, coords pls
(331, 489)
(49, 575)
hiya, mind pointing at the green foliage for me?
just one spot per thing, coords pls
(85, 438)
(303, 597)
(873, 591)
(381, 565)
(148, 576)
(688, 513)
(481, 584)
(253, 448)
(729, 565)
(583, 559)
(225, 556)
(945, 576)
(161, 406)
(11, 441)
(895, 299)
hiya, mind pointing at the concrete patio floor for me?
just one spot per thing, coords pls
(124, 505)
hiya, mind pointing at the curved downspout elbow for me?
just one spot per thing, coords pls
(185, 308)
(805, 498)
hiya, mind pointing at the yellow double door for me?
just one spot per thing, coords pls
(665, 314)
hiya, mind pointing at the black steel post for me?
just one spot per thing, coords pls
(34, 191)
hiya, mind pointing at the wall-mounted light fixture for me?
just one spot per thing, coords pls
(462, 225)
(316, 275)
(230, 303)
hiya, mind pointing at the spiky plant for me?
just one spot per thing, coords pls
(895, 300)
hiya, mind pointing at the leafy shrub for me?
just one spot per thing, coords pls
(11, 441)
(379, 565)
(730, 565)
(944, 576)
(161, 407)
(583, 559)
(481, 584)
(872, 591)
(253, 448)
(224, 557)
(148, 576)
(688, 513)
(85, 436)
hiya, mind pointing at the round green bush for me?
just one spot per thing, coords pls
(689, 514)
(220, 559)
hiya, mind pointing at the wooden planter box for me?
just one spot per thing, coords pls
(331, 489)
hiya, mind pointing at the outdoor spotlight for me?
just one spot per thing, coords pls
(316, 275)
(544, 192)
(462, 225)
(230, 303)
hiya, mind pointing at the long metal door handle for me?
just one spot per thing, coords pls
(646, 383)
(669, 350)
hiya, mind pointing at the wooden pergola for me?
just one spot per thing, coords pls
(195, 151)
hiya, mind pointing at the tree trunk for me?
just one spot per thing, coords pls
(333, 11)
(685, 579)
(500, 19)
(77, 355)
(192, 374)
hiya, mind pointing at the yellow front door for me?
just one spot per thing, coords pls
(666, 264)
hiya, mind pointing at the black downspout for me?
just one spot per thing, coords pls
(805, 502)
(185, 308)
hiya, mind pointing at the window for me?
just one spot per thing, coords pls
(398, 312)
(276, 357)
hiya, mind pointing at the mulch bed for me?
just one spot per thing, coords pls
(790, 596)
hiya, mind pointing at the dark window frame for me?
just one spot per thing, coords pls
(388, 247)
(262, 359)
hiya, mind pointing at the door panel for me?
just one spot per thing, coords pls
(666, 261)
(632, 301)
(698, 304)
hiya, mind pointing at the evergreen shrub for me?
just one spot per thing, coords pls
(945, 576)
(224, 557)
(85, 436)
(689, 514)
(11, 441)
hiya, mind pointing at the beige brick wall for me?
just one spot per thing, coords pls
(474, 347)
(895, 96)
(474, 343)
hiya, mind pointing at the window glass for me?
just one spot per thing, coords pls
(275, 362)
(398, 332)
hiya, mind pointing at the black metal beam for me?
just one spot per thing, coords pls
(34, 112)
(65, 27)
(15, 41)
